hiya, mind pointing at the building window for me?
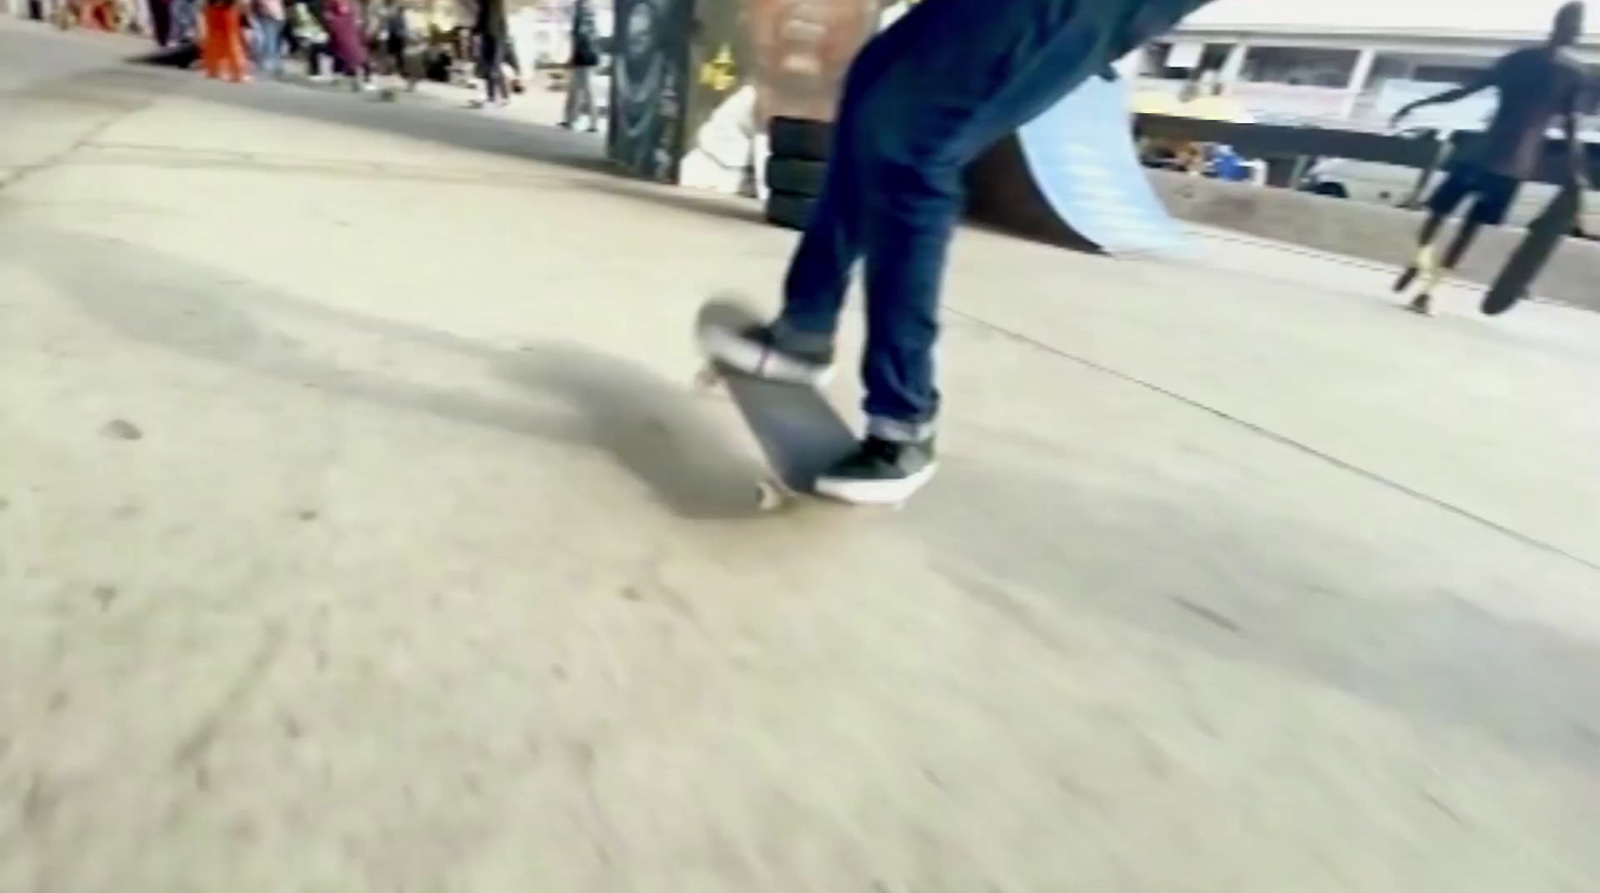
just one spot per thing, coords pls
(1189, 60)
(1300, 66)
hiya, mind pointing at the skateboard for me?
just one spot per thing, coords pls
(798, 430)
(1546, 231)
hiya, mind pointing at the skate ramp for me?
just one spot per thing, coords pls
(1072, 177)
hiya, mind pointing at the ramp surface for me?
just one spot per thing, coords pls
(1072, 177)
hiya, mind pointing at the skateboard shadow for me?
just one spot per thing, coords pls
(654, 429)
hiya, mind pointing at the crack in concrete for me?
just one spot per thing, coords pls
(1283, 439)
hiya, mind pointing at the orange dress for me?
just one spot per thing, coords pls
(222, 48)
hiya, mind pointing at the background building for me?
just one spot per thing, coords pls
(1355, 61)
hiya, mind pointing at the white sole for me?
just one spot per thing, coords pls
(727, 346)
(887, 492)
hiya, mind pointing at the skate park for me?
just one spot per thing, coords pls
(394, 548)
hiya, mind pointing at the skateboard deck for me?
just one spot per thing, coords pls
(799, 432)
(1545, 233)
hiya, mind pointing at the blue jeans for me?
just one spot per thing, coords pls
(267, 37)
(920, 101)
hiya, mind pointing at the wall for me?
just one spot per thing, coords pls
(756, 59)
(1369, 232)
(648, 74)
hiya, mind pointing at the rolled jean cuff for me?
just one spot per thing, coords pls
(899, 431)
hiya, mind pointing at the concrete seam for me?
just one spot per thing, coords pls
(22, 172)
(1287, 441)
(1349, 261)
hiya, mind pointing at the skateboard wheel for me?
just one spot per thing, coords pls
(769, 496)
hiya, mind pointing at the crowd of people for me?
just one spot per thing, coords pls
(501, 71)
(356, 41)
(336, 38)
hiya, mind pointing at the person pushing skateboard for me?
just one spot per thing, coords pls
(921, 100)
(1536, 84)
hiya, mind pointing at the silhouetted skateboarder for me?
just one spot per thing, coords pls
(921, 100)
(1536, 85)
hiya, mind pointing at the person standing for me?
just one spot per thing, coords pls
(1536, 84)
(344, 39)
(222, 41)
(307, 37)
(186, 21)
(397, 42)
(493, 32)
(161, 21)
(922, 99)
(580, 68)
(266, 32)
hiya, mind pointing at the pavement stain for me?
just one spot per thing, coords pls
(193, 747)
(104, 595)
(1210, 615)
(121, 429)
(40, 801)
(1005, 605)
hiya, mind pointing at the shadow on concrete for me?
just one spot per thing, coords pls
(676, 198)
(1034, 541)
(1217, 573)
(414, 117)
(656, 430)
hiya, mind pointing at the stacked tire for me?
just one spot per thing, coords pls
(796, 168)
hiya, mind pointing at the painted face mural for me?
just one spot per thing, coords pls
(799, 51)
(756, 59)
(647, 83)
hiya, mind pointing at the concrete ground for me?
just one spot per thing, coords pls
(359, 531)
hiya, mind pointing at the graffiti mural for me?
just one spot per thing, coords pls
(649, 71)
(756, 59)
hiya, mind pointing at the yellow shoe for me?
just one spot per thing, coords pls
(1427, 262)
(1423, 263)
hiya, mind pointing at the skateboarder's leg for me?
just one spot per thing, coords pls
(1459, 245)
(1491, 195)
(798, 346)
(819, 273)
(924, 121)
(957, 76)
(1494, 196)
(919, 125)
(1449, 195)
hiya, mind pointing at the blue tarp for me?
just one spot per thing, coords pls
(1085, 165)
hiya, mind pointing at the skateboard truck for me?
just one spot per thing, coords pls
(799, 432)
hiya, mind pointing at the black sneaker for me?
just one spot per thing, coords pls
(764, 352)
(1422, 304)
(881, 472)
